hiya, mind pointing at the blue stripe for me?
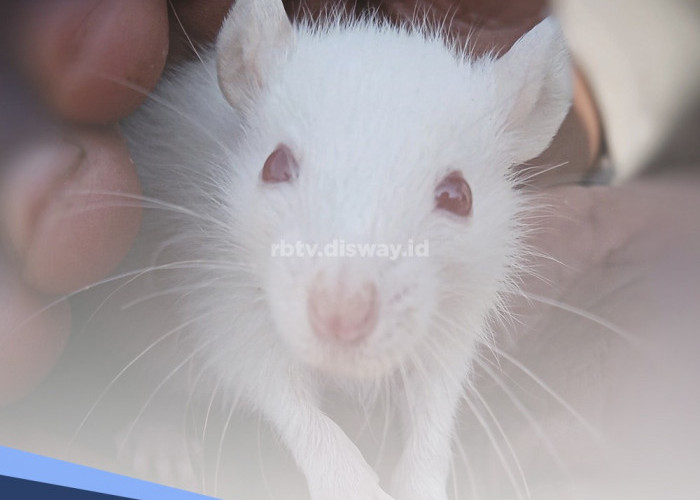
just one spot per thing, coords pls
(23, 465)
(21, 488)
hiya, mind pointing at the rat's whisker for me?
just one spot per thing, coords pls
(496, 446)
(594, 433)
(220, 449)
(189, 289)
(189, 40)
(474, 492)
(154, 203)
(529, 269)
(189, 264)
(207, 415)
(162, 384)
(162, 102)
(192, 390)
(183, 290)
(506, 440)
(532, 421)
(107, 299)
(538, 170)
(608, 325)
(519, 405)
(131, 363)
(261, 462)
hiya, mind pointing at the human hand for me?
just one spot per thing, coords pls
(67, 183)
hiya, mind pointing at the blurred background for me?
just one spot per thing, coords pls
(642, 60)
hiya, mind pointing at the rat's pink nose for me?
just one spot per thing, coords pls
(341, 314)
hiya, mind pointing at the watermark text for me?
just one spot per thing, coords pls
(342, 249)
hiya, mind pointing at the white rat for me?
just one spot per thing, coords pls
(359, 131)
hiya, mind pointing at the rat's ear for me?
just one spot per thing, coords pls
(534, 81)
(254, 38)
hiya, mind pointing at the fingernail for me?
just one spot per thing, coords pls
(35, 175)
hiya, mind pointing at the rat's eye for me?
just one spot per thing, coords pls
(454, 194)
(280, 166)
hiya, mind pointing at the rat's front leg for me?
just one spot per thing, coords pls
(333, 466)
(430, 406)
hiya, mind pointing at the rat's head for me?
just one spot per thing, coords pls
(391, 154)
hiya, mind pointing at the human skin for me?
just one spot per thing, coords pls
(91, 63)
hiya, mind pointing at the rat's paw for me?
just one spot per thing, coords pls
(347, 477)
(163, 456)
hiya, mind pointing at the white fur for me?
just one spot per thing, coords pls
(376, 116)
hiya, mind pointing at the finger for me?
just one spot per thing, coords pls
(583, 235)
(71, 49)
(66, 231)
(30, 343)
(581, 228)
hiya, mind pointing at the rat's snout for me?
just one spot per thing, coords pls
(342, 312)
